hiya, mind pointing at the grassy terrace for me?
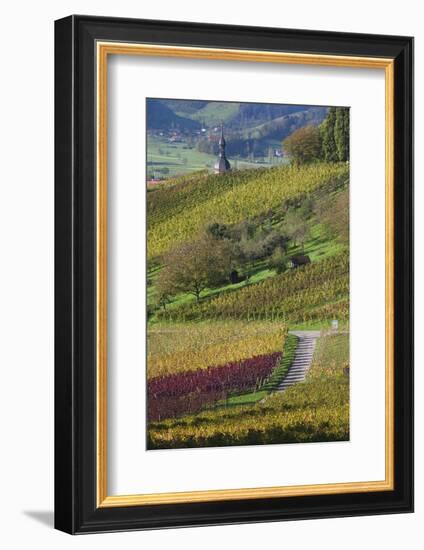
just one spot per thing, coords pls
(275, 379)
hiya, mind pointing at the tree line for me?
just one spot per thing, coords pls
(328, 142)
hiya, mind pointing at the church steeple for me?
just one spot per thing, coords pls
(222, 165)
(222, 141)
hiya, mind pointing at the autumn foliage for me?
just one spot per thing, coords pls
(187, 392)
(304, 144)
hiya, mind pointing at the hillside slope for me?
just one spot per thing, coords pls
(234, 115)
(179, 213)
(160, 116)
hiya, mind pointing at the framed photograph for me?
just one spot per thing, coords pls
(234, 274)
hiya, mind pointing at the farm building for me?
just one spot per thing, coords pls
(297, 261)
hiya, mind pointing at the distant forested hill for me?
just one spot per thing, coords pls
(160, 116)
(257, 139)
(254, 114)
(235, 116)
(251, 129)
(183, 106)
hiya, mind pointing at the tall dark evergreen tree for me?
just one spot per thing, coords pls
(341, 133)
(329, 148)
(347, 132)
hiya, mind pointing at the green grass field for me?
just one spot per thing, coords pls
(179, 159)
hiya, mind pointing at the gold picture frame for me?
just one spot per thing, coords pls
(106, 49)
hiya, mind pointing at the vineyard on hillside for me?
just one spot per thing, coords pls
(193, 366)
(314, 410)
(187, 392)
(316, 291)
(174, 348)
(247, 284)
(176, 214)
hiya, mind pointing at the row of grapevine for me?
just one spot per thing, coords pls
(174, 407)
(184, 391)
(192, 346)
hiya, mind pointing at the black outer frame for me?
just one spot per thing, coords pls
(75, 275)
